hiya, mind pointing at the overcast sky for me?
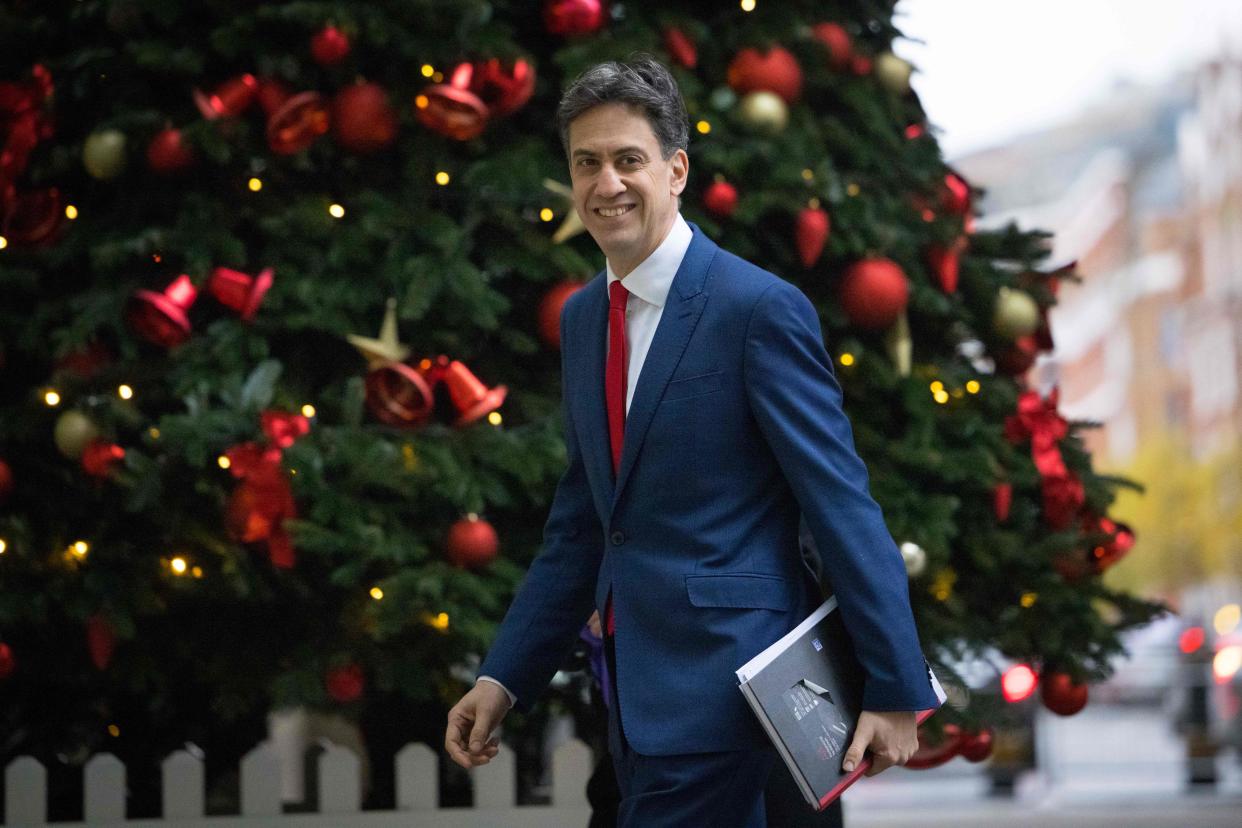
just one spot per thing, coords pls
(991, 69)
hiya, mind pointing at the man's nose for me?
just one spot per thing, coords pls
(609, 183)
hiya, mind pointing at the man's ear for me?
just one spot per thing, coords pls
(680, 166)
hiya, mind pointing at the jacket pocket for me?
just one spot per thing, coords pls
(679, 389)
(743, 591)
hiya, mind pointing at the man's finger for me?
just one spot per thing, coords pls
(480, 734)
(862, 738)
(878, 764)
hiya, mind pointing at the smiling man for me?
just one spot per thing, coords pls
(702, 418)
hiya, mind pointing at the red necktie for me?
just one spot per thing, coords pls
(614, 387)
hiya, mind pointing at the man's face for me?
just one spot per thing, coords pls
(624, 189)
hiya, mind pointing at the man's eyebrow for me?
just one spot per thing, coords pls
(622, 151)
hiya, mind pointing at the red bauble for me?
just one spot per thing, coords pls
(362, 119)
(774, 71)
(1061, 695)
(1107, 553)
(1018, 358)
(31, 218)
(945, 264)
(451, 109)
(160, 318)
(503, 89)
(100, 640)
(680, 47)
(810, 234)
(550, 311)
(720, 199)
(8, 663)
(346, 683)
(472, 542)
(298, 122)
(929, 755)
(976, 746)
(874, 292)
(1002, 499)
(329, 46)
(838, 43)
(860, 65)
(6, 481)
(169, 153)
(87, 361)
(100, 457)
(574, 17)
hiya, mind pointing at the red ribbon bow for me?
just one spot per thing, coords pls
(1038, 420)
(261, 503)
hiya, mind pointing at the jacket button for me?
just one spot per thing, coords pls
(618, 538)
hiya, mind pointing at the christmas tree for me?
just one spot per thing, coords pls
(224, 492)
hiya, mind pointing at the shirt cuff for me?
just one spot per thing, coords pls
(512, 698)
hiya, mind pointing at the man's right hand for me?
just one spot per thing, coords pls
(471, 722)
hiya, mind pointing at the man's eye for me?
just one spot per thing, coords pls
(630, 160)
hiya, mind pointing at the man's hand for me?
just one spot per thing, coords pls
(471, 722)
(892, 737)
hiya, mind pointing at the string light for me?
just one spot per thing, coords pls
(80, 548)
(51, 398)
(197, 572)
(847, 359)
(957, 393)
(437, 77)
(941, 397)
(973, 386)
(336, 211)
(546, 214)
(748, 5)
(937, 386)
(224, 461)
(808, 174)
(421, 101)
(703, 127)
(377, 593)
(308, 411)
(154, 432)
(125, 392)
(428, 70)
(494, 418)
(178, 565)
(442, 178)
(853, 189)
(113, 730)
(424, 364)
(3, 242)
(255, 185)
(157, 258)
(4, 547)
(71, 212)
(440, 622)
(1028, 599)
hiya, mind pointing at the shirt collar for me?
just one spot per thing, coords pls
(653, 278)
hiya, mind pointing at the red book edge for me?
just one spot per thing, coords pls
(863, 766)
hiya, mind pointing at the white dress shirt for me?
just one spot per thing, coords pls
(648, 284)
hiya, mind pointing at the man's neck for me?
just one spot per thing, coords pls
(625, 269)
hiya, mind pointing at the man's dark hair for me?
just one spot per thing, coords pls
(641, 82)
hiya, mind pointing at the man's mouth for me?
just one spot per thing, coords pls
(611, 212)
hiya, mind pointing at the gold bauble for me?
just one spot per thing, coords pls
(1016, 314)
(893, 73)
(103, 154)
(73, 431)
(763, 111)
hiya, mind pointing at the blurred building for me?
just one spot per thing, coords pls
(1144, 191)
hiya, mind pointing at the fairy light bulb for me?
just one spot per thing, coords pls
(51, 398)
(125, 392)
(336, 211)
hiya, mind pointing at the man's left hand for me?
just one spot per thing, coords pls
(891, 736)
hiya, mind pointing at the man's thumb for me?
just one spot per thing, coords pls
(479, 733)
(855, 754)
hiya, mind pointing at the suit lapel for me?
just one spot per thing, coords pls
(682, 309)
(588, 390)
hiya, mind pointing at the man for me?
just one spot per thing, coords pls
(702, 419)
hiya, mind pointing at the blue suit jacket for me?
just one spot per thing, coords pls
(734, 430)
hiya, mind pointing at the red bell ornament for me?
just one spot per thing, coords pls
(874, 292)
(503, 89)
(811, 233)
(945, 266)
(272, 94)
(32, 217)
(470, 397)
(471, 542)
(363, 121)
(346, 683)
(399, 395)
(567, 18)
(550, 311)
(238, 291)
(160, 318)
(100, 457)
(776, 70)
(451, 109)
(298, 122)
(230, 99)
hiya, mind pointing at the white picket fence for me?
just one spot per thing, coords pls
(339, 792)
